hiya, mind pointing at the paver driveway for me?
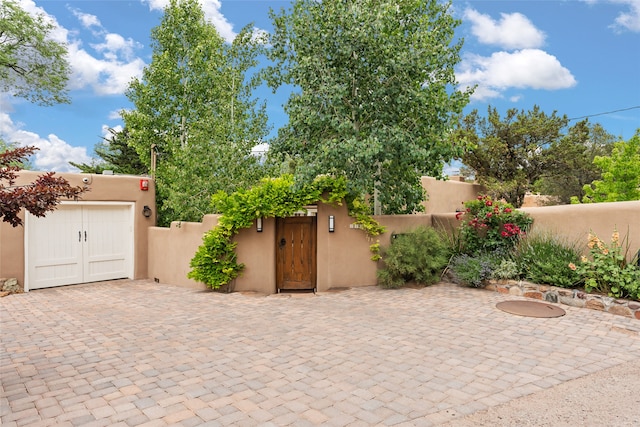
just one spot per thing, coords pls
(137, 353)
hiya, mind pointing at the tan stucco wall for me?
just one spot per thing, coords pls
(448, 196)
(171, 250)
(107, 188)
(575, 221)
(257, 251)
(343, 257)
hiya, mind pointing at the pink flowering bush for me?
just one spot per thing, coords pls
(491, 226)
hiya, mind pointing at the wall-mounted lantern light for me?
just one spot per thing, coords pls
(259, 225)
(332, 224)
(146, 211)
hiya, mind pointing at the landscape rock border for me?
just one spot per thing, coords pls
(9, 286)
(570, 297)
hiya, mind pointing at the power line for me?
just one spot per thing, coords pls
(607, 112)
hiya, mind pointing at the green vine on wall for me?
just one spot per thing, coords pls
(215, 262)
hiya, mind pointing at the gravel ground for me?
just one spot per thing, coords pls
(607, 398)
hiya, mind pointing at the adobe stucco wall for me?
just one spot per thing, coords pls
(343, 256)
(574, 222)
(171, 249)
(105, 188)
(448, 196)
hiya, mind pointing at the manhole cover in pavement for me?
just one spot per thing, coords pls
(530, 308)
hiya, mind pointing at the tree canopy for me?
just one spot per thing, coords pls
(32, 65)
(506, 153)
(374, 93)
(620, 174)
(194, 103)
(115, 154)
(568, 162)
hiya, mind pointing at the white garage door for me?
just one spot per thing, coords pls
(79, 244)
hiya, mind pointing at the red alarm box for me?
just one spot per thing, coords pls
(144, 184)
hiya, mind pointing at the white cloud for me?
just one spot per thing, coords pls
(211, 9)
(524, 69)
(54, 154)
(87, 20)
(107, 73)
(107, 135)
(114, 115)
(512, 31)
(115, 45)
(108, 76)
(629, 20)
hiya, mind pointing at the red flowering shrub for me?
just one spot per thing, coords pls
(489, 225)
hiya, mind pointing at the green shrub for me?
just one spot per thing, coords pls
(506, 269)
(489, 226)
(608, 270)
(473, 270)
(420, 255)
(544, 259)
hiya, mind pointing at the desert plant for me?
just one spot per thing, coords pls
(543, 258)
(473, 270)
(506, 269)
(489, 226)
(608, 271)
(419, 255)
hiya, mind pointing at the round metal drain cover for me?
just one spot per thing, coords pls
(530, 308)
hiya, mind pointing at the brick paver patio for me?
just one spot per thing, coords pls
(136, 353)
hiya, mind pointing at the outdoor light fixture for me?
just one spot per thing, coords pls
(259, 225)
(332, 224)
(146, 211)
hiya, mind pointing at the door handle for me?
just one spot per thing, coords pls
(85, 236)
(283, 242)
(79, 236)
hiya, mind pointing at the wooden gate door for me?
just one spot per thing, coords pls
(296, 258)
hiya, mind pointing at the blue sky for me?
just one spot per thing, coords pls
(579, 58)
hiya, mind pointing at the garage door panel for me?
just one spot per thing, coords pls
(108, 243)
(106, 270)
(55, 251)
(79, 244)
(46, 276)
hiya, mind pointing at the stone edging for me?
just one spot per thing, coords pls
(571, 297)
(9, 286)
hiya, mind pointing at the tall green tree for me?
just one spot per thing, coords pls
(194, 103)
(32, 65)
(374, 93)
(620, 174)
(568, 162)
(506, 154)
(114, 153)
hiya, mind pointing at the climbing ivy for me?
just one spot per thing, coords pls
(215, 262)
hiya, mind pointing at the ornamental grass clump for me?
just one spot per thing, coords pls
(491, 226)
(607, 269)
(543, 258)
